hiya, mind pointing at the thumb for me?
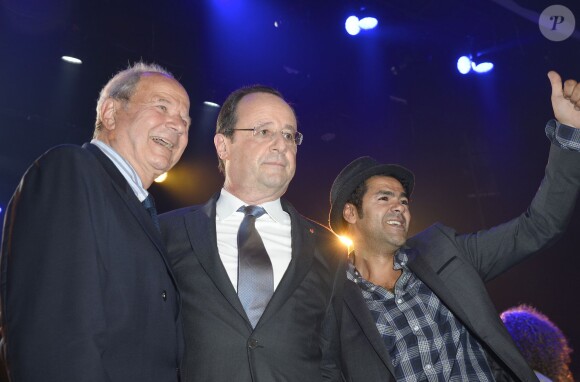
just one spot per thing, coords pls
(556, 82)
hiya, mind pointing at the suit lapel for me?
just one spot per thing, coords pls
(303, 250)
(485, 332)
(428, 275)
(358, 308)
(201, 230)
(128, 196)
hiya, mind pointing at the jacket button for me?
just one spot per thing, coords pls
(164, 295)
(253, 343)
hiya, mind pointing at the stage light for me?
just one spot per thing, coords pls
(464, 64)
(211, 104)
(352, 25)
(345, 240)
(161, 178)
(368, 23)
(484, 67)
(72, 60)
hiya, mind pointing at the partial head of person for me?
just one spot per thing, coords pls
(541, 342)
(369, 202)
(256, 143)
(143, 114)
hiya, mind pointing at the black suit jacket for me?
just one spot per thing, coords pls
(87, 294)
(296, 338)
(456, 267)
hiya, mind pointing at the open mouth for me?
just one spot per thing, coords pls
(163, 142)
(395, 223)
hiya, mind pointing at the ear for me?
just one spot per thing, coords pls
(221, 146)
(349, 213)
(108, 114)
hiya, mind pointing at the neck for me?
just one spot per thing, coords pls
(252, 196)
(377, 268)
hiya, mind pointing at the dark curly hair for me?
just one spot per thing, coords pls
(540, 341)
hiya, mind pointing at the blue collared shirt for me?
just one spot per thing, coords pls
(125, 168)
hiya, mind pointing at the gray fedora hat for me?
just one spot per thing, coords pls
(353, 175)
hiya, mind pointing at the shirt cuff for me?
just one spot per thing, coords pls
(563, 136)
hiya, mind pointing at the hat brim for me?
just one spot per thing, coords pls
(400, 173)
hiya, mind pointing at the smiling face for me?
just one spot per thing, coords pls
(150, 129)
(259, 170)
(385, 218)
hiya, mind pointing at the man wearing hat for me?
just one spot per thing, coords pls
(417, 309)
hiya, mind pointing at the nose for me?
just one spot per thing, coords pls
(175, 123)
(399, 207)
(278, 143)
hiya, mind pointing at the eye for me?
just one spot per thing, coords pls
(385, 198)
(405, 202)
(263, 132)
(162, 107)
(288, 136)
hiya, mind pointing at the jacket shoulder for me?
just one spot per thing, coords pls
(65, 157)
(437, 231)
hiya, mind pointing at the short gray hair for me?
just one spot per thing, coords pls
(122, 86)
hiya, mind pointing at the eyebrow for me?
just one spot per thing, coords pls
(266, 123)
(160, 98)
(391, 193)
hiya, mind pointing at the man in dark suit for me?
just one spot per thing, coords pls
(286, 328)
(87, 294)
(417, 309)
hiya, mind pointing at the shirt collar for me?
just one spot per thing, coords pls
(228, 204)
(401, 260)
(124, 168)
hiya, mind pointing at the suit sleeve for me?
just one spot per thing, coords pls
(495, 250)
(52, 302)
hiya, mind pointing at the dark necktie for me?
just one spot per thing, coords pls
(255, 275)
(149, 205)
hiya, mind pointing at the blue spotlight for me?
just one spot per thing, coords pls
(211, 104)
(72, 60)
(464, 64)
(368, 23)
(352, 25)
(484, 67)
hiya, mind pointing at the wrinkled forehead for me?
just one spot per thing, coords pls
(157, 84)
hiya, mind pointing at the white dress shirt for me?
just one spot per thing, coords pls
(274, 228)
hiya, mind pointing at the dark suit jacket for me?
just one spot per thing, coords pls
(86, 291)
(455, 267)
(298, 330)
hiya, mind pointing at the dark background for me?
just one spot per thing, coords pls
(476, 143)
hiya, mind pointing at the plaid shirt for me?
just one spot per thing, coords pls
(563, 136)
(424, 339)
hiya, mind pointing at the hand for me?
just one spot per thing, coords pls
(566, 101)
